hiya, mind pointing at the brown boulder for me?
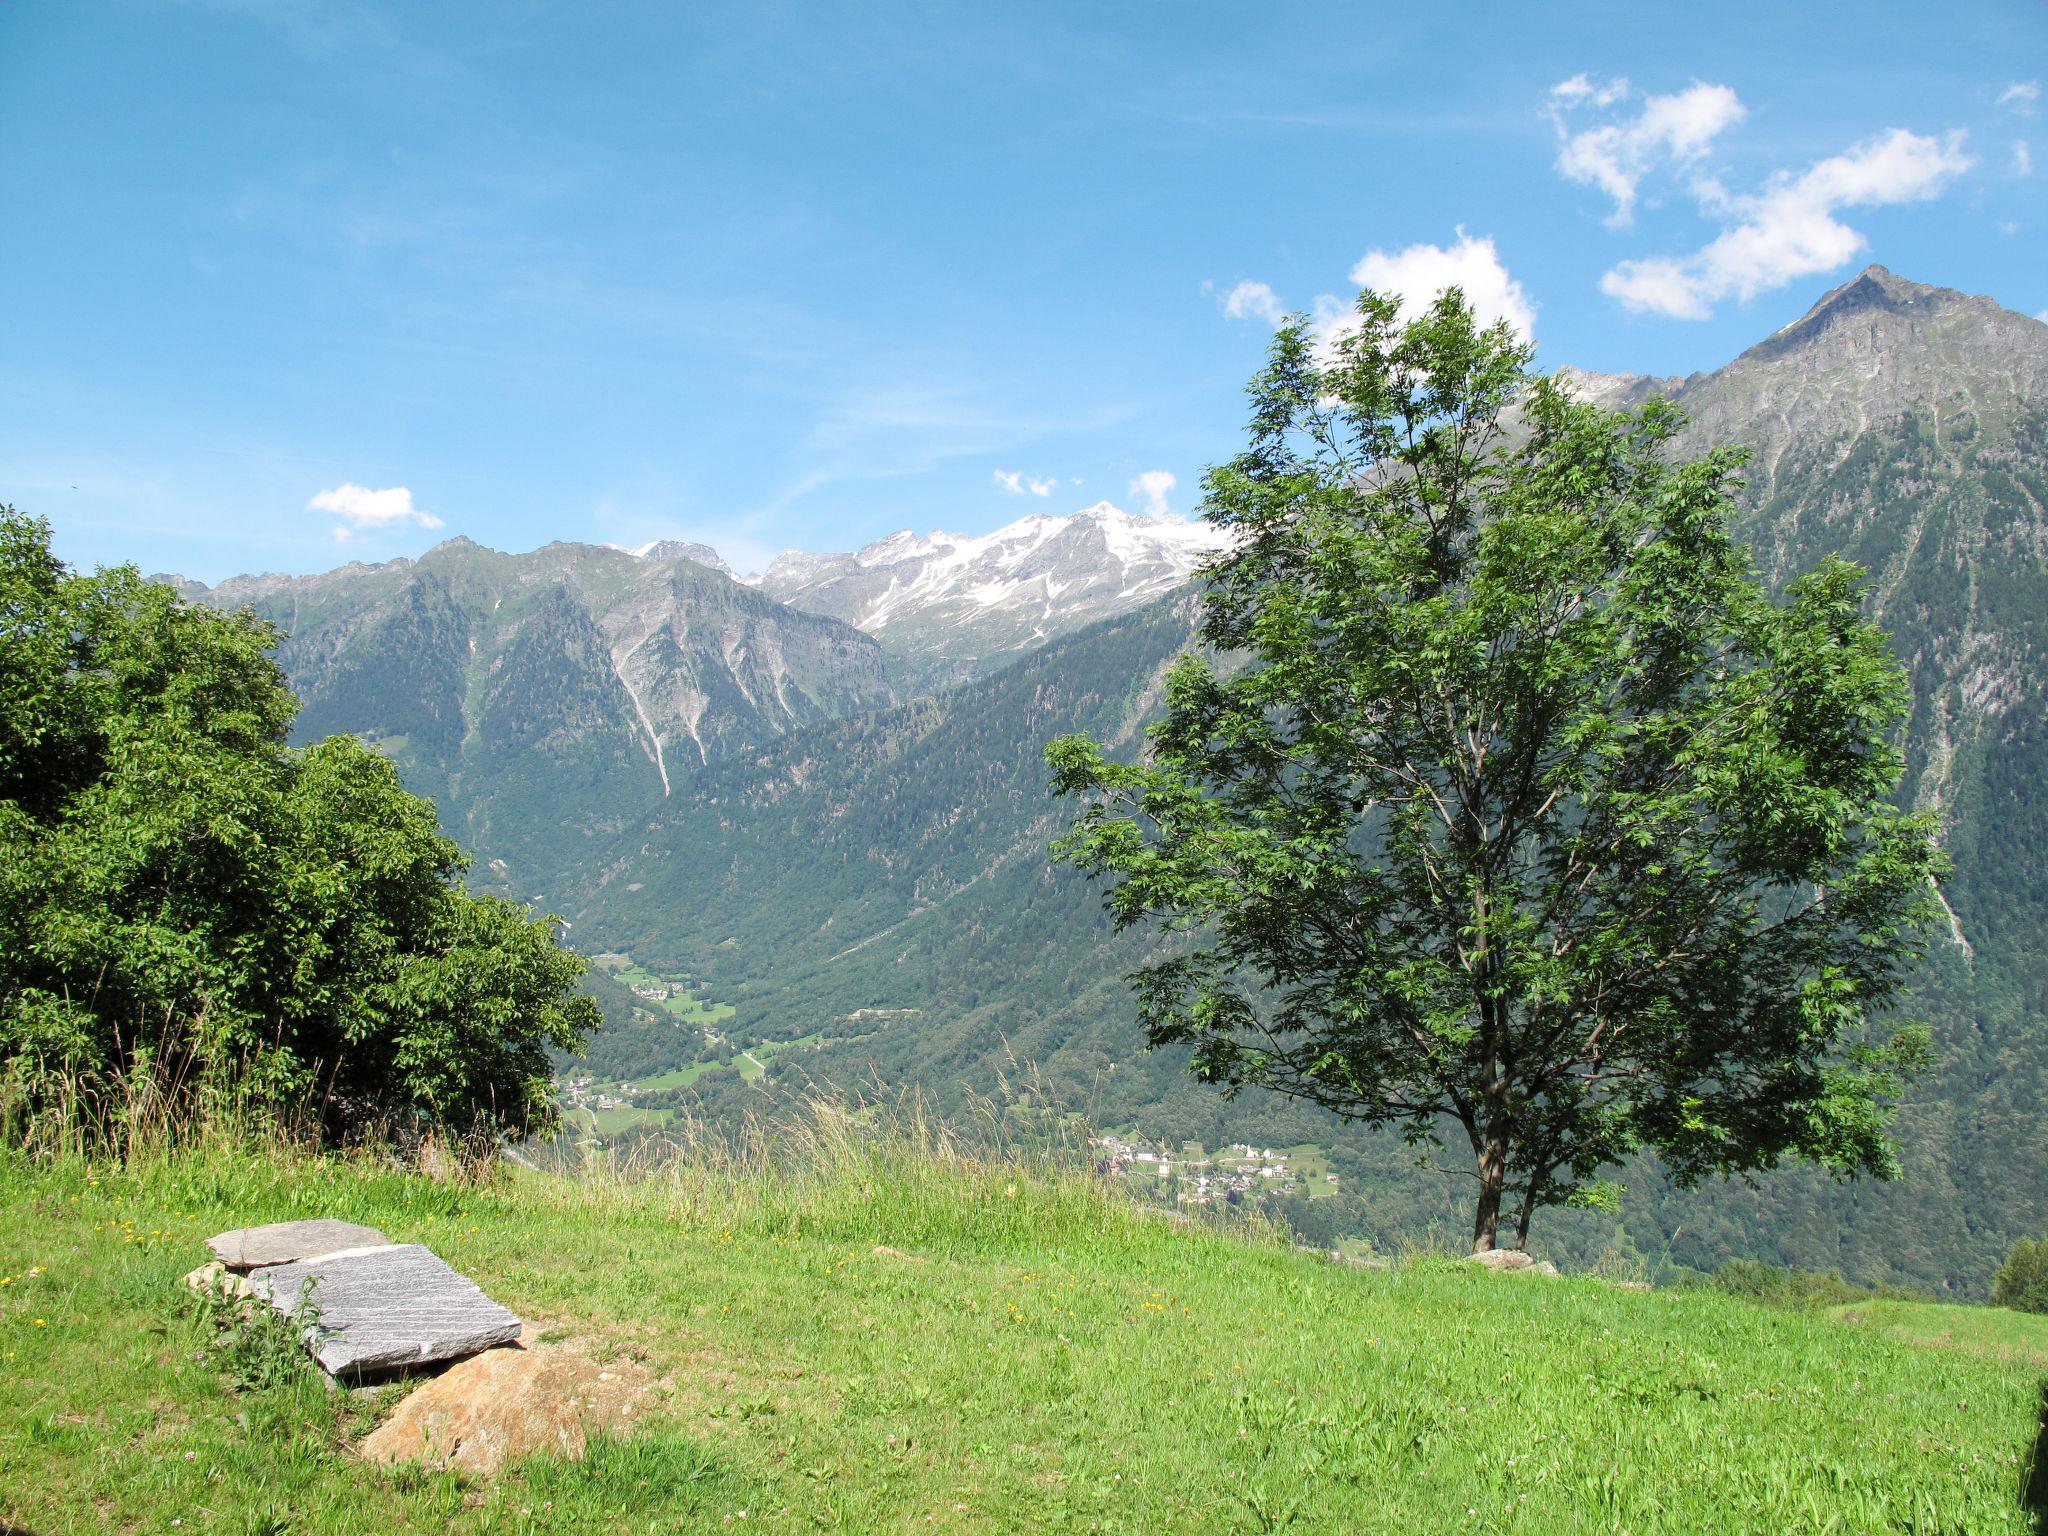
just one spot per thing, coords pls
(506, 1403)
(1498, 1259)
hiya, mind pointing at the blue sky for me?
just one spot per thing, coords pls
(289, 282)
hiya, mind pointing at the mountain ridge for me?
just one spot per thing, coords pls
(948, 607)
(546, 698)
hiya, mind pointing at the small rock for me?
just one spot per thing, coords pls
(218, 1277)
(286, 1241)
(508, 1403)
(1498, 1259)
(884, 1251)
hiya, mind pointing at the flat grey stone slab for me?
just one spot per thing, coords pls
(386, 1308)
(281, 1243)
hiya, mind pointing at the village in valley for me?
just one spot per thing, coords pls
(1182, 1174)
(1191, 1176)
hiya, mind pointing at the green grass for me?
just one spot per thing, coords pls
(614, 1122)
(1035, 1355)
(680, 1077)
(1991, 1333)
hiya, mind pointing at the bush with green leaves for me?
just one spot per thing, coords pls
(188, 903)
(2022, 1280)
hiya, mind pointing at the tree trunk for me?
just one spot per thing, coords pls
(1493, 1168)
(1527, 1212)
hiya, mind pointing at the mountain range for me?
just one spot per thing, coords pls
(547, 701)
(947, 607)
(818, 794)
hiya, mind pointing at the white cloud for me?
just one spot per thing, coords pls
(1615, 157)
(2022, 158)
(1250, 300)
(1152, 488)
(1583, 90)
(359, 508)
(1017, 483)
(2022, 96)
(1788, 230)
(1420, 272)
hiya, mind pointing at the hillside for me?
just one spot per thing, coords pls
(1906, 426)
(894, 863)
(879, 1333)
(548, 699)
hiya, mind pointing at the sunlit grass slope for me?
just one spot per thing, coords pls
(861, 1331)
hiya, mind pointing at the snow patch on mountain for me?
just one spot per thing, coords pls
(1100, 559)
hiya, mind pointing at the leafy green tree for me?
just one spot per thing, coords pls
(1516, 805)
(2022, 1280)
(188, 902)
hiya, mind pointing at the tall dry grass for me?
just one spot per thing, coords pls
(880, 1166)
(62, 1112)
(884, 1167)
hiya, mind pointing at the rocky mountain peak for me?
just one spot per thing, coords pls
(1877, 348)
(1877, 303)
(680, 549)
(951, 605)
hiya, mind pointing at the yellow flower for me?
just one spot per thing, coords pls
(41, 1324)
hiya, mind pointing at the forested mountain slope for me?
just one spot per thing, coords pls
(1906, 427)
(548, 699)
(896, 863)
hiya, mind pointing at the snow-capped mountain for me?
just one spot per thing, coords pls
(948, 606)
(677, 549)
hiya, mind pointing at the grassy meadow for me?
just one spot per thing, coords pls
(870, 1329)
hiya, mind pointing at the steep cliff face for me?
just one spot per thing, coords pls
(547, 699)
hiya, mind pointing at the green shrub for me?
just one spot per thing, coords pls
(192, 910)
(1783, 1287)
(255, 1346)
(2022, 1280)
